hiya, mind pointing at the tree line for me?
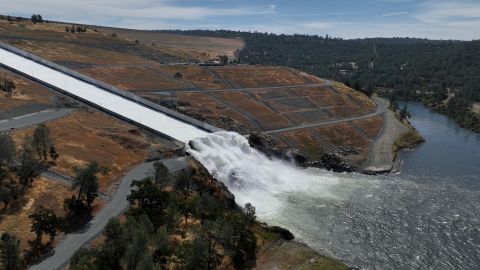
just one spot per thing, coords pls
(443, 74)
(175, 222)
(19, 166)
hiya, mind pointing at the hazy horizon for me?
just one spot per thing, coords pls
(349, 19)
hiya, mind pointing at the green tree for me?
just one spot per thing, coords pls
(148, 198)
(7, 150)
(404, 113)
(206, 207)
(161, 174)
(223, 59)
(195, 254)
(138, 233)
(8, 85)
(34, 19)
(185, 186)
(146, 263)
(112, 252)
(44, 221)
(249, 214)
(178, 75)
(215, 233)
(29, 165)
(9, 251)
(42, 141)
(163, 248)
(53, 153)
(86, 181)
(393, 103)
(84, 259)
(7, 192)
(172, 215)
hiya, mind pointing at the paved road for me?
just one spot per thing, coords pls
(379, 110)
(324, 84)
(114, 208)
(33, 119)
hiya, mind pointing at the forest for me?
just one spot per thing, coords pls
(443, 74)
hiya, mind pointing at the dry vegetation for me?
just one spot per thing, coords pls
(44, 192)
(26, 92)
(204, 48)
(343, 134)
(86, 136)
(306, 141)
(297, 98)
(267, 118)
(370, 126)
(139, 78)
(201, 77)
(243, 76)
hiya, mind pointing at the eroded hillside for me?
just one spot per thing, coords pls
(297, 110)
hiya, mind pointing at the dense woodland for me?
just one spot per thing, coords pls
(182, 221)
(442, 74)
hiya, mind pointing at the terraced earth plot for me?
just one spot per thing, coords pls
(298, 110)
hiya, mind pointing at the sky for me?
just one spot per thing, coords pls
(434, 19)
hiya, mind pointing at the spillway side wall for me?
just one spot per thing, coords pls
(89, 103)
(107, 87)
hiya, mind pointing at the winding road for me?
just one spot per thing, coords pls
(115, 207)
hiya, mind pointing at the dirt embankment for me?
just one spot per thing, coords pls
(395, 135)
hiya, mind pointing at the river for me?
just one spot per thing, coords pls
(425, 217)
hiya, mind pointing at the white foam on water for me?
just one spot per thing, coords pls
(252, 176)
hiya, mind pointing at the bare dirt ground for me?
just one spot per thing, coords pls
(241, 98)
(286, 255)
(43, 192)
(27, 94)
(204, 48)
(382, 155)
(86, 136)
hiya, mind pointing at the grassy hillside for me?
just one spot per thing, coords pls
(241, 98)
(440, 73)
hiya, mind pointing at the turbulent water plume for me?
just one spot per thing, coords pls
(252, 176)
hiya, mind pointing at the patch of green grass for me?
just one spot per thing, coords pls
(409, 139)
(266, 234)
(324, 263)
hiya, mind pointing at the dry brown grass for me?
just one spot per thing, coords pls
(67, 52)
(200, 76)
(260, 76)
(343, 134)
(25, 92)
(134, 78)
(365, 102)
(203, 48)
(44, 193)
(267, 118)
(86, 136)
(306, 142)
(310, 91)
(371, 126)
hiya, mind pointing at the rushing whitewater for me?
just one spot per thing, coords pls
(252, 176)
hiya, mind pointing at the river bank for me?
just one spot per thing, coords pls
(394, 136)
(423, 217)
